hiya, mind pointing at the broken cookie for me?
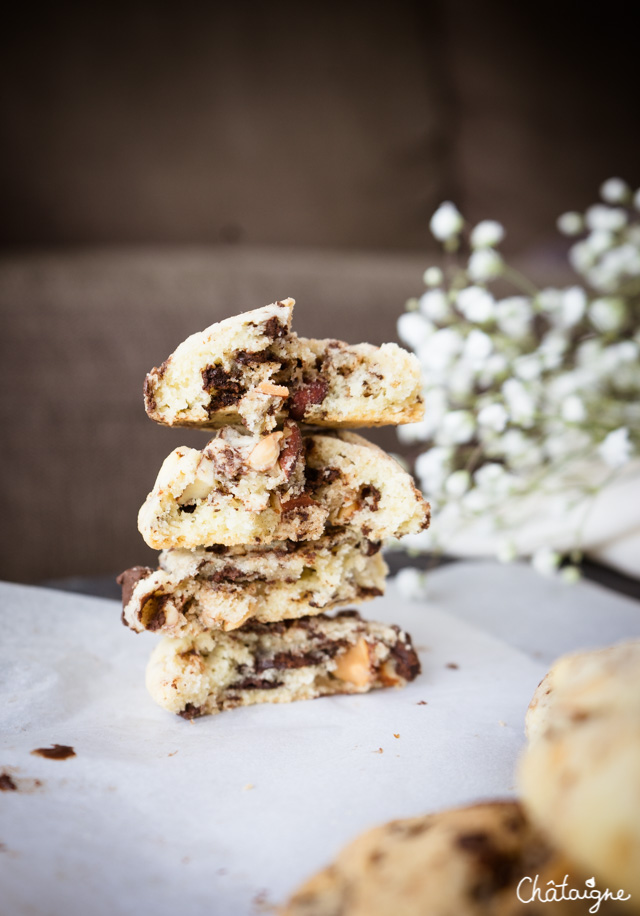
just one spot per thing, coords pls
(279, 663)
(252, 369)
(243, 489)
(222, 587)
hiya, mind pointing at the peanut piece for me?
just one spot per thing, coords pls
(265, 454)
(354, 665)
(276, 391)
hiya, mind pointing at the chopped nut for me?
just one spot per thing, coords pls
(265, 453)
(354, 665)
(346, 512)
(276, 391)
(172, 615)
(201, 486)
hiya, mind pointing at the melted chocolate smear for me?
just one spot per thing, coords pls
(406, 661)
(129, 579)
(55, 752)
(274, 329)
(292, 450)
(191, 712)
(7, 784)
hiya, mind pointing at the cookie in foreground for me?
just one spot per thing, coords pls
(580, 774)
(253, 369)
(480, 860)
(279, 663)
(222, 587)
(243, 489)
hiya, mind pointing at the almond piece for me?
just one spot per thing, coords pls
(276, 391)
(354, 665)
(265, 454)
(346, 513)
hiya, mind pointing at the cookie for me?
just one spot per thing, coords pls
(580, 775)
(279, 663)
(252, 369)
(460, 862)
(223, 587)
(243, 489)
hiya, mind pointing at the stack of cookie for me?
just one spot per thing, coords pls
(270, 525)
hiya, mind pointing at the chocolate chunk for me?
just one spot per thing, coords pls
(7, 784)
(224, 387)
(153, 615)
(129, 579)
(227, 574)
(301, 659)
(407, 663)
(188, 508)
(317, 477)
(298, 502)
(312, 393)
(248, 358)
(369, 592)
(256, 683)
(55, 752)
(292, 449)
(499, 867)
(191, 712)
(370, 497)
(371, 547)
(274, 329)
(350, 612)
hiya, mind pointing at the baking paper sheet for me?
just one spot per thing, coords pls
(227, 814)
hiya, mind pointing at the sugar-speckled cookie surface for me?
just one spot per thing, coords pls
(222, 587)
(252, 368)
(460, 862)
(580, 775)
(243, 489)
(279, 663)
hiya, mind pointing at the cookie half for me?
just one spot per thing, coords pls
(279, 663)
(460, 862)
(223, 587)
(580, 775)
(253, 369)
(242, 489)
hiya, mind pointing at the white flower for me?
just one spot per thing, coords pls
(435, 305)
(493, 479)
(457, 428)
(520, 403)
(432, 276)
(414, 432)
(460, 380)
(615, 191)
(487, 234)
(447, 222)
(413, 329)
(600, 241)
(494, 417)
(438, 351)
(457, 484)
(611, 219)
(514, 315)
(546, 561)
(493, 368)
(570, 223)
(485, 264)
(608, 314)
(570, 575)
(477, 347)
(581, 257)
(572, 306)
(432, 467)
(506, 552)
(528, 367)
(476, 304)
(615, 450)
(552, 349)
(410, 583)
(573, 410)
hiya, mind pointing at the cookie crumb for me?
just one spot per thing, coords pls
(7, 784)
(248, 786)
(396, 735)
(422, 703)
(379, 751)
(453, 665)
(502, 724)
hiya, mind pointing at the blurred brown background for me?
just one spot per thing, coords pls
(164, 166)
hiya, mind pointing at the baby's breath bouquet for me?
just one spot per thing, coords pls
(532, 395)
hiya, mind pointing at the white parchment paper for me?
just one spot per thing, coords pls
(227, 814)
